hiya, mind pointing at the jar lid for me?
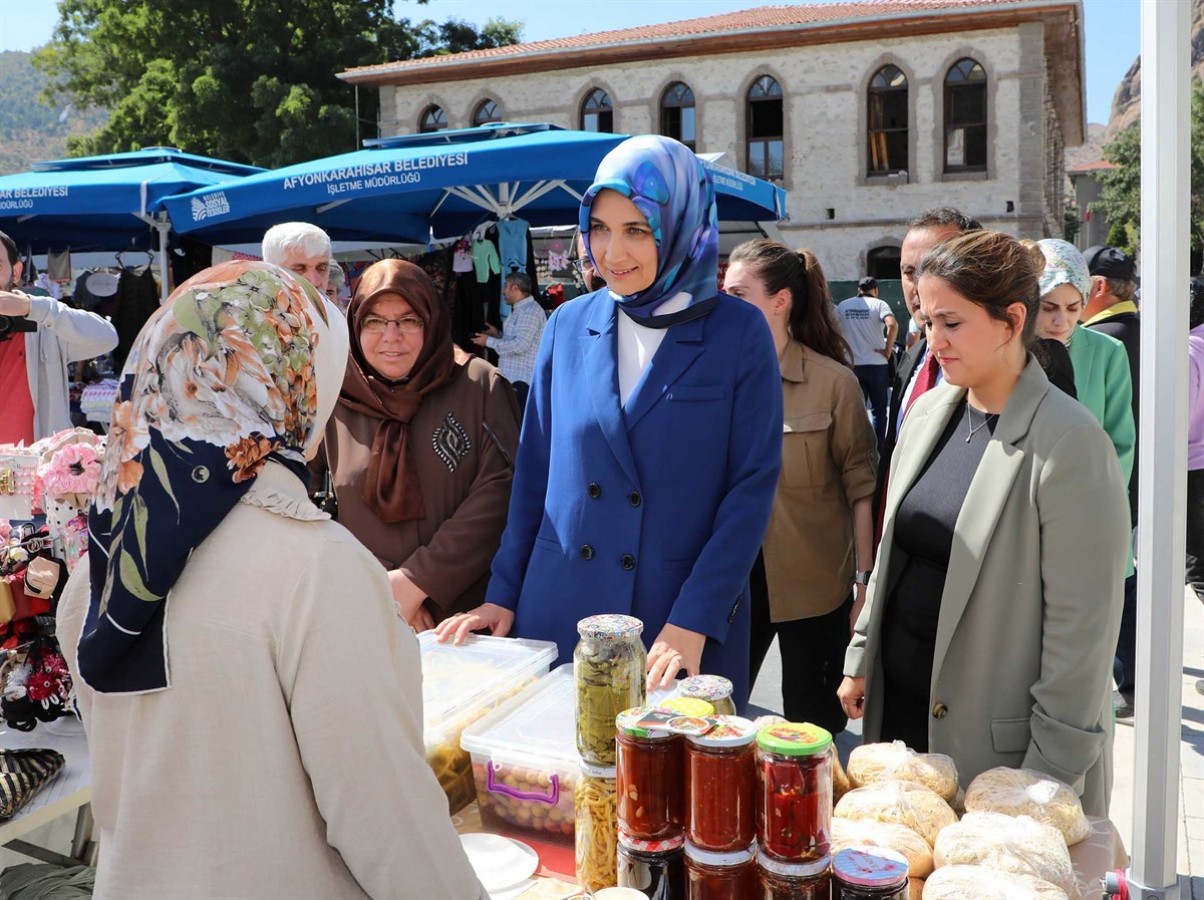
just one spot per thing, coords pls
(794, 739)
(705, 687)
(593, 771)
(688, 706)
(728, 731)
(665, 845)
(610, 627)
(627, 723)
(720, 860)
(870, 866)
(793, 869)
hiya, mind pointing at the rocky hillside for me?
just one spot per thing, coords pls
(30, 131)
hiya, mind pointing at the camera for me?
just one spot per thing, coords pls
(20, 324)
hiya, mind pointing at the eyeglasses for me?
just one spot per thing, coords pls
(377, 325)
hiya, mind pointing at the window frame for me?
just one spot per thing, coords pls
(965, 83)
(432, 110)
(764, 142)
(877, 133)
(678, 103)
(480, 108)
(599, 110)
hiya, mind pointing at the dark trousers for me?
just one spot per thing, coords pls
(521, 389)
(1195, 531)
(812, 656)
(875, 384)
(1124, 669)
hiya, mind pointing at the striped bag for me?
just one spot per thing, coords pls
(22, 774)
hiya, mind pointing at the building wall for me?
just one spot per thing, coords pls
(825, 143)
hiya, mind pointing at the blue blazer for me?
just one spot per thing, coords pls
(656, 510)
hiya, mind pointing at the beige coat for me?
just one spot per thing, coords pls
(1032, 601)
(286, 759)
(829, 461)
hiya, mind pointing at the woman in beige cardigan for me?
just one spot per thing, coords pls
(993, 611)
(252, 701)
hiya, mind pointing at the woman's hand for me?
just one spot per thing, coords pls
(852, 697)
(675, 649)
(409, 599)
(496, 618)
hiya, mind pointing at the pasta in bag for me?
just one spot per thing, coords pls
(872, 763)
(979, 882)
(1008, 844)
(902, 802)
(868, 833)
(1026, 792)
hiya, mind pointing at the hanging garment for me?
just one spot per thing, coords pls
(485, 260)
(137, 299)
(58, 266)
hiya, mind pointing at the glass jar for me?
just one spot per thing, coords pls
(608, 671)
(688, 706)
(787, 881)
(658, 868)
(595, 828)
(651, 775)
(720, 876)
(721, 786)
(714, 689)
(869, 873)
(794, 813)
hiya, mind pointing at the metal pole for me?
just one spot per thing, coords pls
(1165, 190)
(358, 145)
(162, 225)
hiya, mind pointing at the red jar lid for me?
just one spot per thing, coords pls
(665, 845)
(870, 867)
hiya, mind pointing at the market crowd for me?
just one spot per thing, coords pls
(940, 539)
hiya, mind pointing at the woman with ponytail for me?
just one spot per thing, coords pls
(808, 583)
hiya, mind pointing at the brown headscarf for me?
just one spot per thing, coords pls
(391, 487)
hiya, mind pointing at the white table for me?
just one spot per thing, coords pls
(69, 791)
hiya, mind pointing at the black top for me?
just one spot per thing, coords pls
(924, 529)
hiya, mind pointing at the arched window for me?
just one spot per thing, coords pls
(966, 117)
(487, 111)
(433, 119)
(765, 123)
(597, 114)
(677, 114)
(887, 121)
(883, 263)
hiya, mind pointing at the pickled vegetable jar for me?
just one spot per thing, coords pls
(596, 828)
(714, 689)
(720, 876)
(658, 868)
(608, 670)
(791, 881)
(651, 778)
(869, 873)
(794, 812)
(721, 786)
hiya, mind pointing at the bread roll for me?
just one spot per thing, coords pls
(868, 833)
(979, 883)
(872, 763)
(902, 802)
(1025, 792)
(1008, 844)
(840, 780)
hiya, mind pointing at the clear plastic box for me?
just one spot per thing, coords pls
(459, 686)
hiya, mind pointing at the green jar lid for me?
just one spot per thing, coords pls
(794, 739)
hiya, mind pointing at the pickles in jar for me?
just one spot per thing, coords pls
(608, 670)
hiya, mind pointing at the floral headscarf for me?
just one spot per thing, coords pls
(240, 366)
(674, 191)
(1064, 264)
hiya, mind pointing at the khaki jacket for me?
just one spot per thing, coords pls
(829, 461)
(1032, 601)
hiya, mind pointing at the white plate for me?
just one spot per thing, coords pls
(499, 862)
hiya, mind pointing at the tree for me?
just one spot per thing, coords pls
(246, 80)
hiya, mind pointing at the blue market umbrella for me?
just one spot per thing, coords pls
(402, 188)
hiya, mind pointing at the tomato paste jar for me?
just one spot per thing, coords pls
(658, 868)
(791, 881)
(714, 689)
(720, 876)
(651, 779)
(608, 672)
(794, 812)
(869, 873)
(721, 785)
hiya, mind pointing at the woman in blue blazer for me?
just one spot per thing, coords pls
(652, 440)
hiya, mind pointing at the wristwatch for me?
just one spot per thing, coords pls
(862, 577)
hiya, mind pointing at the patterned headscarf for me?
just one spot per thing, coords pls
(240, 366)
(1064, 264)
(672, 188)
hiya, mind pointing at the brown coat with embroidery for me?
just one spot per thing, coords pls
(465, 477)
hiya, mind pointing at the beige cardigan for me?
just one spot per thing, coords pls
(286, 759)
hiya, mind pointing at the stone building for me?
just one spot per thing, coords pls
(866, 112)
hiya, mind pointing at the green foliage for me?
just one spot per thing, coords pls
(29, 130)
(246, 80)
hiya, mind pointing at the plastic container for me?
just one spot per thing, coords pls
(869, 873)
(524, 760)
(794, 812)
(721, 876)
(651, 774)
(596, 828)
(608, 668)
(714, 689)
(658, 868)
(785, 881)
(721, 786)
(460, 685)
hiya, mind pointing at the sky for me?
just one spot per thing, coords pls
(1112, 41)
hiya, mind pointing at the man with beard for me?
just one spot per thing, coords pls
(33, 363)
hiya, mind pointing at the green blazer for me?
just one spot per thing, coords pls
(1031, 607)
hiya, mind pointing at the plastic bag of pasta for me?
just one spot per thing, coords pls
(979, 882)
(900, 838)
(1026, 792)
(872, 763)
(902, 802)
(1008, 844)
